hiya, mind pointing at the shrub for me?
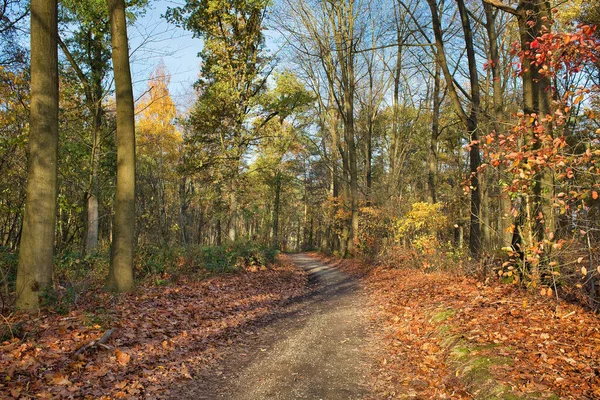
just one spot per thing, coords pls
(424, 222)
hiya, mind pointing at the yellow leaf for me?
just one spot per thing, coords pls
(185, 371)
(579, 260)
(122, 357)
(584, 271)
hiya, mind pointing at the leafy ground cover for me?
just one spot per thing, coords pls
(163, 335)
(446, 336)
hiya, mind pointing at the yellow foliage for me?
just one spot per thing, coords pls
(422, 218)
(421, 225)
(157, 134)
(374, 226)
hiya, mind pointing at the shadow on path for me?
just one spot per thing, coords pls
(316, 348)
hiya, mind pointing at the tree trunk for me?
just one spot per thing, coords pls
(435, 133)
(233, 211)
(95, 105)
(470, 121)
(37, 241)
(345, 46)
(503, 217)
(120, 276)
(534, 19)
(473, 128)
(275, 238)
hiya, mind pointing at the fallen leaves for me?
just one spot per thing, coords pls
(430, 322)
(122, 357)
(163, 335)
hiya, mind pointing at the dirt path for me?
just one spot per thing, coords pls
(317, 349)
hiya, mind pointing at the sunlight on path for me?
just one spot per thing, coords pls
(321, 350)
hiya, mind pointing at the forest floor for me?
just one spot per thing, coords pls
(164, 337)
(328, 330)
(444, 336)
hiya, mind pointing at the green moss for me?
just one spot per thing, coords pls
(472, 363)
(460, 352)
(443, 315)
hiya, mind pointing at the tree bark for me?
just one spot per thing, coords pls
(503, 216)
(473, 129)
(470, 121)
(37, 241)
(120, 276)
(435, 133)
(344, 28)
(275, 238)
(534, 19)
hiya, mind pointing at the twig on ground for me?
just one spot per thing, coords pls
(97, 343)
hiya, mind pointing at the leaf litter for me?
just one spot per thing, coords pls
(451, 337)
(163, 335)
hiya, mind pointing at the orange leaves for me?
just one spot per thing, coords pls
(59, 380)
(551, 349)
(122, 357)
(199, 321)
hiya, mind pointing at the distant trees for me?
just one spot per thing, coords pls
(234, 73)
(159, 156)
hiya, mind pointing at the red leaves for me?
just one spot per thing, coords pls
(534, 44)
(556, 51)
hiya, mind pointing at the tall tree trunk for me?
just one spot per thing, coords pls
(37, 241)
(345, 46)
(91, 237)
(233, 213)
(503, 217)
(275, 238)
(470, 121)
(435, 133)
(534, 19)
(473, 128)
(120, 277)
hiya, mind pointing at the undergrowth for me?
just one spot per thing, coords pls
(75, 273)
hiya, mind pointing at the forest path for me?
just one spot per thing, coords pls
(318, 348)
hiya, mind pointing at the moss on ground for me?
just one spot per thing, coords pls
(472, 363)
(442, 315)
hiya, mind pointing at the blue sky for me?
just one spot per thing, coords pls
(153, 40)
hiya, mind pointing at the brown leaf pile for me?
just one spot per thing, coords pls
(548, 349)
(163, 335)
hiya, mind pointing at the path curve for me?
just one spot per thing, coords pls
(317, 348)
(322, 352)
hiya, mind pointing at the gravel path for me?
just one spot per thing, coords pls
(318, 348)
(321, 351)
